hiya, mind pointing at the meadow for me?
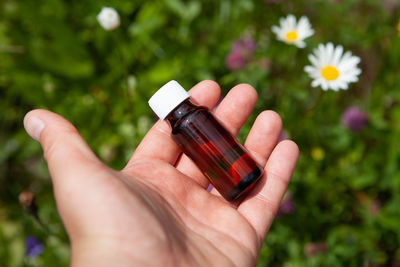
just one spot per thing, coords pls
(343, 203)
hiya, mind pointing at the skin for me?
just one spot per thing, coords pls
(157, 211)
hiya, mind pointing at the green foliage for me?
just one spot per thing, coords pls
(54, 55)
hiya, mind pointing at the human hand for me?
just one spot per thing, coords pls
(157, 211)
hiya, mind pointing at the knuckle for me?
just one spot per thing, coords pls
(53, 140)
(284, 180)
(268, 203)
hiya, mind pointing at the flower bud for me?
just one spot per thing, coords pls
(27, 201)
(108, 18)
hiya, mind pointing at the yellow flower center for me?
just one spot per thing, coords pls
(330, 73)
(398, 27)
(291, 36)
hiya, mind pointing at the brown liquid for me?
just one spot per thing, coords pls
(212, 148)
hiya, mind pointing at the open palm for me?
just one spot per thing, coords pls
(157, 211)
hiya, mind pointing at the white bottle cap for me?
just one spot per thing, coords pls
(167, 98)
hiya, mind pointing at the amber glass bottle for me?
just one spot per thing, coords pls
(225, 162)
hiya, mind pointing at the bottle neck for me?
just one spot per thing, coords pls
(180, 111)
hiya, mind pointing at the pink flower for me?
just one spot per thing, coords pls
(235, 61)
(240, 54)
(245, 46)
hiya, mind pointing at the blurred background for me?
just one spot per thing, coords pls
(343, 204)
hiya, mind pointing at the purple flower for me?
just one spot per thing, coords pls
(245, 46)
(33, 247)
(354, 119)
(287, 206)
(235, 61)
(241, 53)
(283, 136)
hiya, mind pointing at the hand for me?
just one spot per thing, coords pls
(155, 212)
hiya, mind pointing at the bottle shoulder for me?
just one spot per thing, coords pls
(193, 116)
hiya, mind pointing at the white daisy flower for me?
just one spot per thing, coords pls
(331, 69)
(108, 18)
(292, 32)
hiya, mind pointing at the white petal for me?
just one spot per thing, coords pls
(305, 34)
(315, 83)
(322, 54)
(291, 19)
(304, 29)
(345, 86)
(313, 72)
(314, 60)
(285, 28)
(349, 64)
(345, 57)
(334, 85)
(336, 55)
(303, 24)
(275, 29)
(309, 69)
(321, 48)
(282, 22)
(300, 44)
(342, 85)
(325, 85)
(329, 52)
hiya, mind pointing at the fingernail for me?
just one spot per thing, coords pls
(33, 127)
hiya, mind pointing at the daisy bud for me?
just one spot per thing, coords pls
(354, 119)
(108, 18)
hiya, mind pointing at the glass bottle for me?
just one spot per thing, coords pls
(225, 162)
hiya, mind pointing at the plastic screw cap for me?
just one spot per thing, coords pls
(167, 98)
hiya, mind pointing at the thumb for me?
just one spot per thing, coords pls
(66, 153)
